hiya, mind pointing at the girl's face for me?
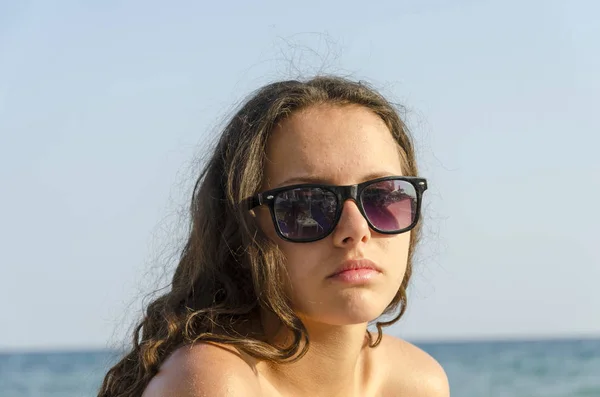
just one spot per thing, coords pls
(340, 145)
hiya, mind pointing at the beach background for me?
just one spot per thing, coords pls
(542, 368)
(107, 109)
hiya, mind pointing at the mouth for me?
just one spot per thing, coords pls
(356, 270)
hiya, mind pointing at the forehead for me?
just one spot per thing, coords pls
(332, 144)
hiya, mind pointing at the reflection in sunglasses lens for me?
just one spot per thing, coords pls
(390, 205)
(305, 213)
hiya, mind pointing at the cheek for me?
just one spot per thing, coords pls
(301, 260)
(401, 245)
(304, 268)
(395, 255)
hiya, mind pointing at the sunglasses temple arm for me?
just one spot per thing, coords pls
(252, 202)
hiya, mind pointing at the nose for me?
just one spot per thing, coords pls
(352, 229)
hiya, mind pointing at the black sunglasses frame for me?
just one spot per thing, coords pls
(342, 193)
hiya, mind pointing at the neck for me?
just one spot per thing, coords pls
(333, 364)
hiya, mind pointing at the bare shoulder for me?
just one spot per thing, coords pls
(204, 369)
(410, 371)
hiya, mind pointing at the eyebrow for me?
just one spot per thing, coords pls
(320, 180)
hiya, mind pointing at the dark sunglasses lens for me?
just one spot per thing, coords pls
(390, 205)
(305, 213)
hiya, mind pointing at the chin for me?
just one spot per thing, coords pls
(348, 308)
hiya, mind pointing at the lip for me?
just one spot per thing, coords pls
(356, 267)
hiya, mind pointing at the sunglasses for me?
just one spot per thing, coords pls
(310, 212)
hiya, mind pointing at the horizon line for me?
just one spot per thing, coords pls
(5, 350)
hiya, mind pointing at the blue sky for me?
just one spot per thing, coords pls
(105, 110)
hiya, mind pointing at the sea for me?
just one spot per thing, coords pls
(544, 368)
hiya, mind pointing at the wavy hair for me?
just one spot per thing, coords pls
(228, 270)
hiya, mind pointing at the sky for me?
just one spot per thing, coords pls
(106, 109)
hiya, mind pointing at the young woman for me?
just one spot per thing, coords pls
(304, 223)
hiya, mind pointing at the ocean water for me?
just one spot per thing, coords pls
(558, 368)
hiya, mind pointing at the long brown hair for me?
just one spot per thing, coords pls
(228, 270)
